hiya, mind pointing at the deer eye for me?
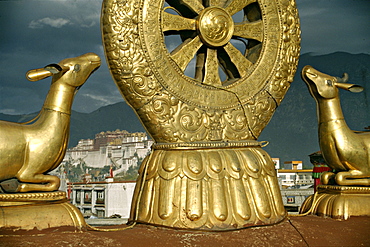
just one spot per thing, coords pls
(329, 83)
(77, 67)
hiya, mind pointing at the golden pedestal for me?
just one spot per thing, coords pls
(338, 202)
(209, 188)
(26, 211)
(204, 100)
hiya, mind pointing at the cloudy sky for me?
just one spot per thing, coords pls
(36, 33)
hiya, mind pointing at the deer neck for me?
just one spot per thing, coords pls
(60, 98)
(329, 110)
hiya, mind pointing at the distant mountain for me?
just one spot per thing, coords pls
(292, 131)
(111, 117)
(86, 125)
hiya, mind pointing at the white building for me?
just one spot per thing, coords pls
(296, 184)
(293, 198)
(102, 199)
(295, 177)
(294, 165)
(117, 149)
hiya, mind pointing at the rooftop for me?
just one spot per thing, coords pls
(294, 170)
(294, 231)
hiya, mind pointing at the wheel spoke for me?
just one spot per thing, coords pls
(227, 66)
(237, 5)
(249, 30)
(184, 53)
(199, 66)
(194, 5)
(211, 76)
(176, 23)
(234, 63)
(238, 59)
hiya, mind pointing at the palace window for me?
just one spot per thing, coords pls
(78, 196)
(100, 197)
(290, 199)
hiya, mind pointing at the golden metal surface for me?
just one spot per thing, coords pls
(28, 152)
(178, 108)
(344, 150)
(16, 199)
(206, 170)
(215, 26)
(44, 210)
(338, 202)
(209, 189)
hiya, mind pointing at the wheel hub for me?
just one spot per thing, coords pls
(215, 26)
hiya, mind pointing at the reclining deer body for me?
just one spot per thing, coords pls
(344, 150)
(29, 151)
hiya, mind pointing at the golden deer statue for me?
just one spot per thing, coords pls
(28, 151)
(347, 152)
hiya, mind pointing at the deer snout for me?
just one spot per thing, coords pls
(319, 84)
(308, 73)
(94, 59)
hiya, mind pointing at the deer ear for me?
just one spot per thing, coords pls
(48, 70)
(349, 87)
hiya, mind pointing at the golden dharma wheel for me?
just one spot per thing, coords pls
(202, 71)
(205, 77)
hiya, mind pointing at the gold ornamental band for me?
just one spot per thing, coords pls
(340, 189)
(44, 196)
(208, 145)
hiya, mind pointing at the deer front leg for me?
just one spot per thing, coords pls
(327, 178)
(37, 182)
(352, 177)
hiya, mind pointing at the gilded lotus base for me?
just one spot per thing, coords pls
(338, 202)
(208, 189)
(27, 211)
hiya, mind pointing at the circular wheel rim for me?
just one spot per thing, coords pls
(248, 74)
(176, 106)
(207, 31)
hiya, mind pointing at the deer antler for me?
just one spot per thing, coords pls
(344, 78)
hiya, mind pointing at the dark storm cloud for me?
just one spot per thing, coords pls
(36, 33)
(43, 32)
(335, 25)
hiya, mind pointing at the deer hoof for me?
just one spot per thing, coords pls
(10, 185)
(328, 178)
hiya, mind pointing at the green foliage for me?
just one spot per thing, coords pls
(131, 174)
(75, 172)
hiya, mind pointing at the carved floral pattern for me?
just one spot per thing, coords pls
(162, 111)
